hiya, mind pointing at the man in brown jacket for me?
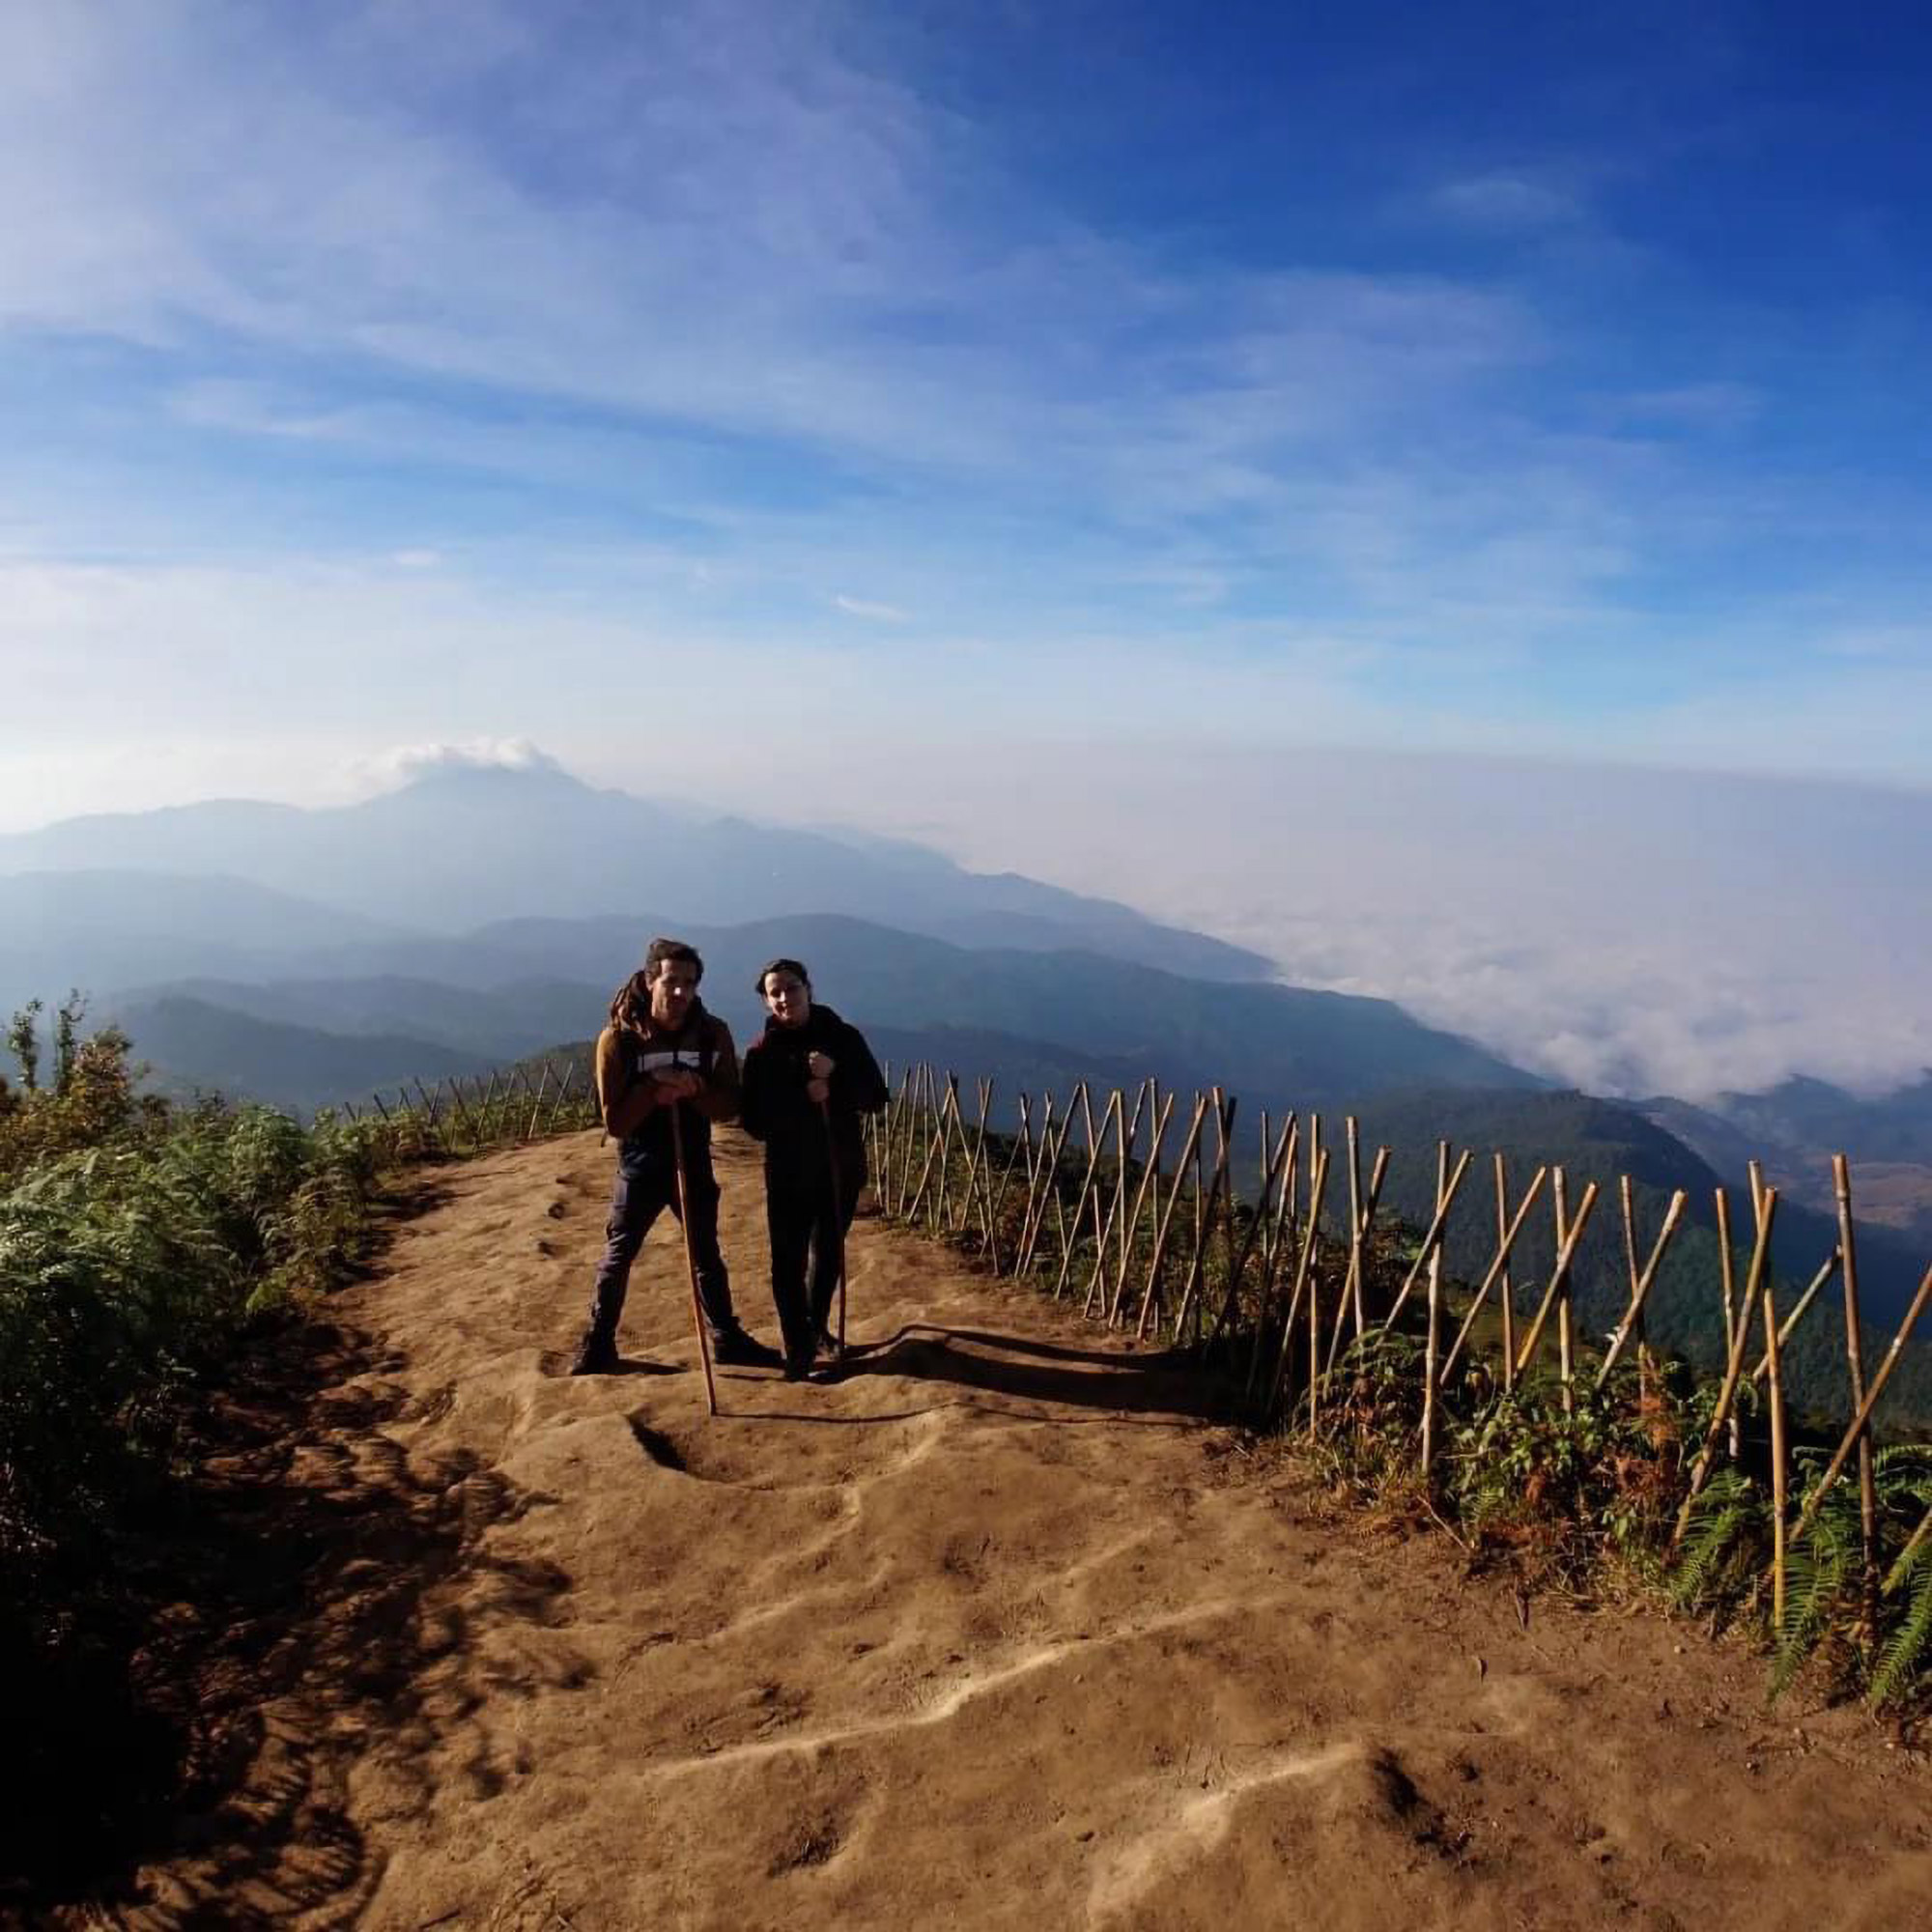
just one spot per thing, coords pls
(664, 1065)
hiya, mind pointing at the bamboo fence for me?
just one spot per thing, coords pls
(506, 1108)
(1126, 1204)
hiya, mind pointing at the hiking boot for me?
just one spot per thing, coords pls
(733, 1349)
(596, 1354)
(797, 1368)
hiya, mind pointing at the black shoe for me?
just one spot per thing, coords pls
(596, 1354)
(733, 1349)
(797, 1368)
(830, 1348)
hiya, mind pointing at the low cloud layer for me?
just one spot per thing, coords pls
(1629, 931)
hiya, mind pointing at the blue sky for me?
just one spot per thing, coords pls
(677, 385)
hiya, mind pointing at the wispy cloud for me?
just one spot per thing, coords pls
(1506, 203)
(871, 612)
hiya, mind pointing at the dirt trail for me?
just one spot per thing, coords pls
(997, 1632)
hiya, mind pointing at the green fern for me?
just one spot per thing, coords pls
(1822, 1578)
(1725, 1544)
(1909, 1648)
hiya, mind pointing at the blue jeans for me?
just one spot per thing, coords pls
(640, 1195)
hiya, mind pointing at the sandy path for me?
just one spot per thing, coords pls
(995, 1633)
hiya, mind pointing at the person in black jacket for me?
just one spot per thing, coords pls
(807, 1080)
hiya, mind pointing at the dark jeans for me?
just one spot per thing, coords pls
(807, 1229)
(639, 1198)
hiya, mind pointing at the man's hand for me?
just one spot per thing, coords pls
(819, 1091)
(679, 1083)
(818, 1066)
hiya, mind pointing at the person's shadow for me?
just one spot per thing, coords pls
(1169, 1383)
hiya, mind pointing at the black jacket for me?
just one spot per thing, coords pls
(776, 1109)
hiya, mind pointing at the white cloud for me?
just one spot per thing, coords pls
(402, 763)
(1506, 203)
(872, 613)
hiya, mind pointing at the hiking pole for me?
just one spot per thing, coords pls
(837, 1214)
(691, 1252)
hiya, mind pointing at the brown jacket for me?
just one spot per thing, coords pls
(633, 1108)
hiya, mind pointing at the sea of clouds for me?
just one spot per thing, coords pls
(1631, 931)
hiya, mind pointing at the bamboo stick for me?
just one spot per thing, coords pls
(1147, 1174)
(1734, 1368)
(1047, 1193)
(1436, 1228)
(1095, 1300)
(1166, 1220)
(1865, 1407)
(1270, 1180)
(1022, 1145)
(1043, 1153)
(1779, 1465)
(1359, 1259)
(1728, 1285)
(1124, 1145)
(536, 1106)
(1093, 1144)
(1498, 1272)
(1284, 1205)
(1504, 1286)
(1641, 1281)
(1433, 1343)
(1565, 1361)
(1913, 1545)
(1318, 1184)
(1045, 1161)
(980, 1179)
(894, 1159)
(1558, 1275)
(1790, 1322)
(1855, 1372)
(1224, 1109)
(935, 1141)
(564, 1088)
(1050, 1197)
(1627, 1191)
(1351, 1292)
(949, 1113)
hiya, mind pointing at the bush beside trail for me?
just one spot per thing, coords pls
(141, 1247)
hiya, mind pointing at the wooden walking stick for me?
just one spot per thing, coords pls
(838, 1213)
(691, 1252)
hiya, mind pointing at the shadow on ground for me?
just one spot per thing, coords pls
(302, 1565)
(1168, 1384)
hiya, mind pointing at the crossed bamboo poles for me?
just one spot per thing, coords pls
(1149, 1243)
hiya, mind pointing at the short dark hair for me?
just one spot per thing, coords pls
(662, 951)
(791, 966)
